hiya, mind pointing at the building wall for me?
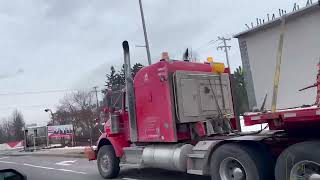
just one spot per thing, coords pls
(300, 56)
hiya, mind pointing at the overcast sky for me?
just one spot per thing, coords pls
(71, 44)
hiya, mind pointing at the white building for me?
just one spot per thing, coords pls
(301, 53)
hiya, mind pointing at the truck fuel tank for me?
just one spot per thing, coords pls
(170, 157)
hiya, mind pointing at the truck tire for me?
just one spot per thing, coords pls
(299, 161)
(108, 163)
(241, 162)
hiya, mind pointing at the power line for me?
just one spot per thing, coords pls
(35, 92)
(207, 44)
(213, 41)
(41, 92)
(24, 107)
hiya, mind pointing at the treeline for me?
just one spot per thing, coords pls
(11, 128)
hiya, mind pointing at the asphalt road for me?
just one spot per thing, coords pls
(58, 168)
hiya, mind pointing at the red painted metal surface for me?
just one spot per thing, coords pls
(117, 141)
(90, 153)
(154, 100)
(121, 139)
(155, 111)
(200, 129)
(183, 132)
(286, 119)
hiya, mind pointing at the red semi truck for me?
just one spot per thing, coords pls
(179, 115)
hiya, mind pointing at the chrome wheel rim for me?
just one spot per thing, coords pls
(232, 169)
(105, 163)
(305, 170)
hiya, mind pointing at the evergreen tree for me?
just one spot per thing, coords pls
(239, 92)
(136, 67)
(116, 80)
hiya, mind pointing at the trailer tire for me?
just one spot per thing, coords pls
(108, 163)
(297, 159)
(237, 161)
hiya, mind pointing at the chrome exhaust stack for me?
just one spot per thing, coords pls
(130, 92)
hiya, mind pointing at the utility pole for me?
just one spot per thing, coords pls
(145, 33)
(97, 110)
(225, 47)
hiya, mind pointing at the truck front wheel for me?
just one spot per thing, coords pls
(239, 162)
(299, 162)
(108, 163)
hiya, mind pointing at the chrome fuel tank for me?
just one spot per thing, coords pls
(171, 157)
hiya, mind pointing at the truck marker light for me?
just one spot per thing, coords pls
(165, 56)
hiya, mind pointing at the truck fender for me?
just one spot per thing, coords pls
(117, 142)
(203, 150)
(200, 159)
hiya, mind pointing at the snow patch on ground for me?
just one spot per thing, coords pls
(72, 148)
(251, 128)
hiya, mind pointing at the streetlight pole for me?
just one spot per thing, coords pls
(145, 33)
(52, 115)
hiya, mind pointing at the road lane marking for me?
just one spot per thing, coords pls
(68, 170)
(3, 157)
(43, 167)
(50, 168)
(65, 163)
(129, 179)
(8, 162)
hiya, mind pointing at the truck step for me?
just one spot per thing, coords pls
(199, 156)
(194, 171)
(133, 148)
(130, 165)
(133, 155)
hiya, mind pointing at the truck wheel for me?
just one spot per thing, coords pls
(108, 163)
(239, 162)
(300, 161)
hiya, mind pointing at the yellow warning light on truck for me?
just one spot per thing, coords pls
(217, 67)
(210, 59)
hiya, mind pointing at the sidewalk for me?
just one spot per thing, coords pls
(72, 152)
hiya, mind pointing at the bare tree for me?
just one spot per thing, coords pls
(6, 128)
(17, 125)
(77, 109)
(11, 127)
